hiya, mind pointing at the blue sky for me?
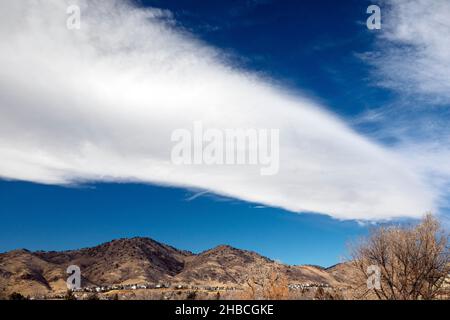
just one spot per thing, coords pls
(319, 50)
(57, 218)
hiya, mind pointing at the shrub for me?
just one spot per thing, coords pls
(70, 296)
(192, 295)
(17, 296)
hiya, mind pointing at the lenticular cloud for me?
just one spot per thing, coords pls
(100, 104)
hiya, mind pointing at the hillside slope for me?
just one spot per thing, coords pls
(143, 260)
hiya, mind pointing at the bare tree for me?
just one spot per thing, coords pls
(266, 283)
(413, 261)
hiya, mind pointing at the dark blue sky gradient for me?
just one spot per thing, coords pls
(304, 45)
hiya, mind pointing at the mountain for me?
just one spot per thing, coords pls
(123, 261)
(143, 260)
(23, 271)
(223, 264)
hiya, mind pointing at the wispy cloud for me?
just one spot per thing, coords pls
(197, 195)
(411, 57)
(101, 103)
(413, 52)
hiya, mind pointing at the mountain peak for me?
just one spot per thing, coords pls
(223, 247)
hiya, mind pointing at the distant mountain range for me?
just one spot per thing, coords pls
(145, 261)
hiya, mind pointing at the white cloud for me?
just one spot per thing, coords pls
(414, 48)
(101, 103)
